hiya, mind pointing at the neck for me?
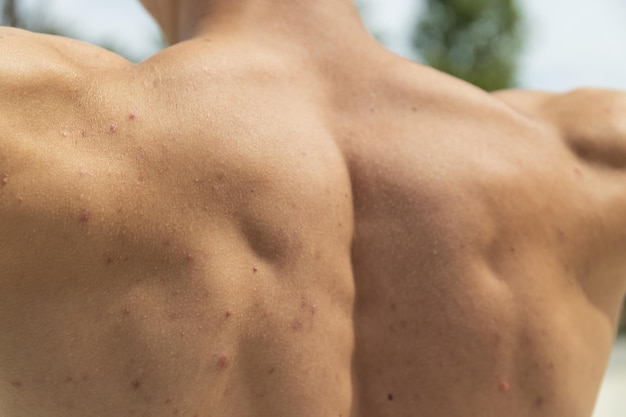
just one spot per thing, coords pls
(322, 22)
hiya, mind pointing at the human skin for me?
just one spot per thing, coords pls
(267, 220)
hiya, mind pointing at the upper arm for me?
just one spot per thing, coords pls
(591, 122)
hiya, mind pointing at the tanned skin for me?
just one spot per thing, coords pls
(277, 217)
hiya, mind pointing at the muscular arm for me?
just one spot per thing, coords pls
(591, 123)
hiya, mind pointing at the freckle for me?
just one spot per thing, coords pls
(271, 371)
(222, 362)
(168, 401)
(394, 307)
(83, 216)
(132, 116)
(413, 109)
(512, 250)
(255, 270)
(228, 313)
(504, 386)
(189, 258)
(126, 311)
(136, 384)
(4, 179)
(390, 397)
(16, 384)
(69, 379)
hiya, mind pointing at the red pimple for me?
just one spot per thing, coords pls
(132, 116)
(505, 386)
(255, 269)
(222, 362)
(83, 216)
(228, 313)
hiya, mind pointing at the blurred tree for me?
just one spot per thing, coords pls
(476, 40)
(9, 15)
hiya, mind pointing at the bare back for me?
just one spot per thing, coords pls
(220, 231)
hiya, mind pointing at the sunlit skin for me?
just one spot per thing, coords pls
(278, 217)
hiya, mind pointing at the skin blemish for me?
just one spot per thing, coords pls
(132, 116)
(222, 362)
(83, 134)
(83, 216)
(136, 384)
(228, 313)
(4, 180)
(271, 371)
(504, 386)
(113, 128)
(69, 379)
(561, 235)
(390, 397)
(579, 173)
(539, 402)
(64, 133)
(296, 325)
(189, 258)
(255, 269)
(126, 311)
(314, 309)
(16, 384)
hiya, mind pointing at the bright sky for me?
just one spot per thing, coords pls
(572, 43)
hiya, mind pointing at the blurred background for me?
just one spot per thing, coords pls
(557, 46)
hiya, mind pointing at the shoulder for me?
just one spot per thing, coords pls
(42, 76)
(592, 122)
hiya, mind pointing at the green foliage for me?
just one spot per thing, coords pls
(476, 40)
